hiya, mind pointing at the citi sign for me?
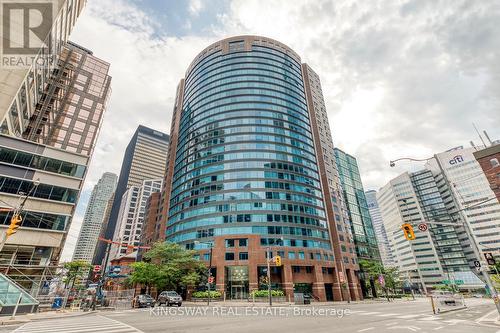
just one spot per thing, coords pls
(457, 159)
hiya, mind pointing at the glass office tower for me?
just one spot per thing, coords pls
(242, 172)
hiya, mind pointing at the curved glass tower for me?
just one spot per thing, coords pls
(243, 174)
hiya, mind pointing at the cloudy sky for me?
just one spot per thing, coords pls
(400, 78)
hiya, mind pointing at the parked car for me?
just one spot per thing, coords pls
(144, 301)
(169, 298)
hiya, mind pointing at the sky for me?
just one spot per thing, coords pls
(400, 78)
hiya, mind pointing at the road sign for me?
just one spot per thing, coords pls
(446, 282)
(422, 227)
(97, 268)
(211, 279)
(459, 282)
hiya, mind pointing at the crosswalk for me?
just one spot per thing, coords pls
(80, 324)
(418, 316)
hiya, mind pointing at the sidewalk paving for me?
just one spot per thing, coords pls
(25, 318)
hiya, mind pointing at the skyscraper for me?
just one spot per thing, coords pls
(131, 216)
(468, 197)
(251, 170)
(94, 217)
(21, 87)
(436, 256)
(361, 222)
(145, 158)
(55, 141)
(379, 228)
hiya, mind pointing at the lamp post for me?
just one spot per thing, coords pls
(466, 226)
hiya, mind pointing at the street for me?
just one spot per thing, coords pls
(399, 316)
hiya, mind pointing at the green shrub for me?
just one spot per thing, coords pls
(265, 293)
(204, 294)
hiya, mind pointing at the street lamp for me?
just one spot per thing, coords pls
(466, 226)
(393, 162)
(209, 267)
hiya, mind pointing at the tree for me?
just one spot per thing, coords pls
(392, 280)
(145, 273)
(372, 269)
(74, 270)
(167, 266)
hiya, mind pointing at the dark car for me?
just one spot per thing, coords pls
(169, 298)
(144, 301)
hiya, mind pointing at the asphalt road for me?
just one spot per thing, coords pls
(411, 316)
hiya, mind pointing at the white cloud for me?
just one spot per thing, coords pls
(195, 7)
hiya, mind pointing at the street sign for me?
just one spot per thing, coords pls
(490, 259)
(97, 268)
(210, 279)
(477, 264)
(459, 282)
(446, 282)
(422, 227)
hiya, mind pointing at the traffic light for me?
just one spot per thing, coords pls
(408, 231)
(15, 221)
(277, 260)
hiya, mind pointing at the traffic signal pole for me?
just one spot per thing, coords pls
(16, 216)
(269, 258)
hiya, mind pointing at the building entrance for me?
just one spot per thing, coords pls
(237, 282)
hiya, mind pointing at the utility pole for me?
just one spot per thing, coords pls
(103, 273)
(209, 273)
(269, 258)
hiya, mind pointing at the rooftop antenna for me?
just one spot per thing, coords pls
(487, 137)
(480, 137)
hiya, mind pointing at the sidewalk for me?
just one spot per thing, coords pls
(24, 318)
(244, 303)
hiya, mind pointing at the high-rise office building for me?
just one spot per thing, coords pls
(94, 217)
(21, 87)
(357, 207)
(131, 216)
(47, 134)
(52, 137)
(151, 227)
(379, 228)
(468, 197)
(251, 171)
(436, 256)
(145, 158)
